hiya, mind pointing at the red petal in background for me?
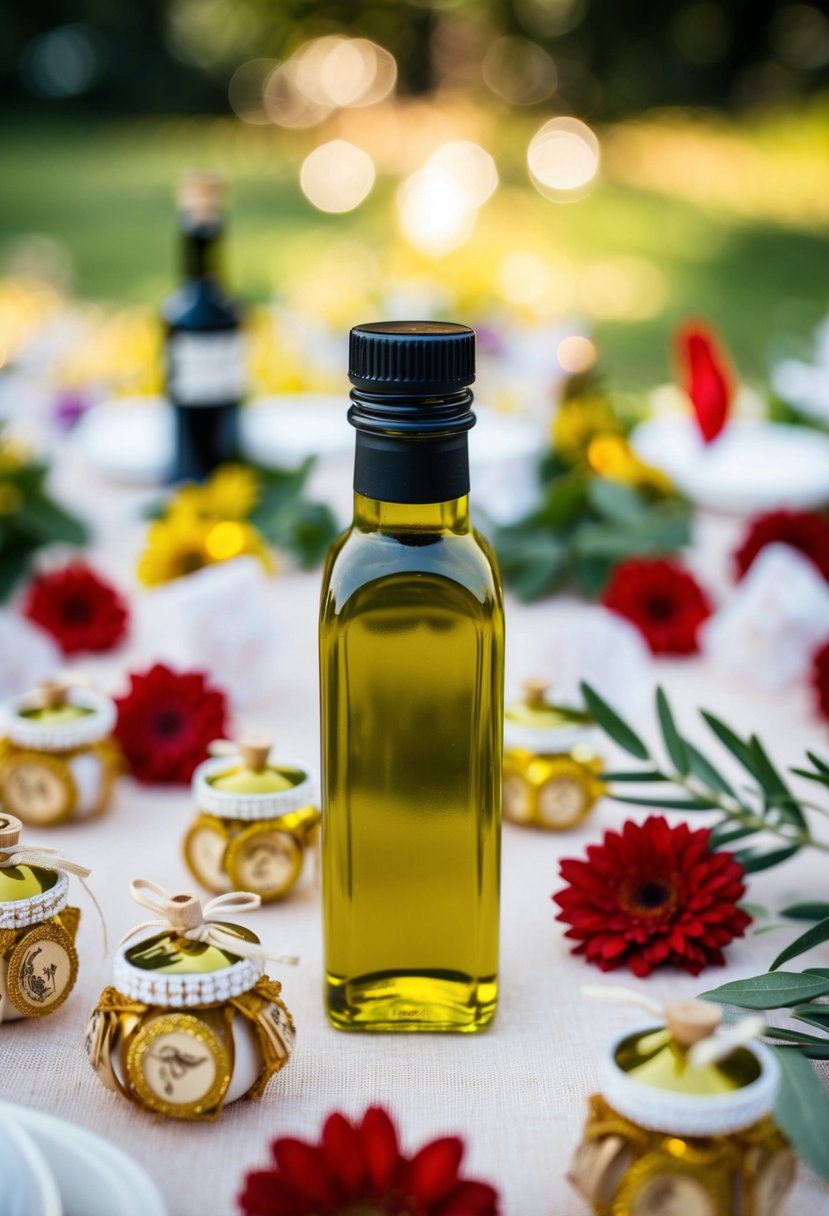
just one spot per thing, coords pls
(705, 378)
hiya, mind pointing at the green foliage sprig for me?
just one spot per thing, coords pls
(29, 517)
(585, 526)
(291, 521)
(749, 813)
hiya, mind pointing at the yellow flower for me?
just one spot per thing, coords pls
(230, 493)
(578, 421)
(612, 456)
(182, 543)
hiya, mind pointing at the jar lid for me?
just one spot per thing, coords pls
(246, 784)
(649, 1077)
(58, 717)
(29, 894)
(170, 969)
(539, 726)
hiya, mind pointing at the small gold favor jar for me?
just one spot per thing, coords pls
(551, 768)
(255, 821)
(38, 960)
(57, 758)
(668, 1136)
(191, 1022)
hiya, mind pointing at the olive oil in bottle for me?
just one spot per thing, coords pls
(204, 356)
(411, 669)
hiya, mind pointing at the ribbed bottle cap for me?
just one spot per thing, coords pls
(412, 356)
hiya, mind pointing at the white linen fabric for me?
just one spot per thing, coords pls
(516, 1093)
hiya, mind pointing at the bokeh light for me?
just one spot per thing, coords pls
(286, 105)
(524, 278)
(576, 354)
(247, 87)
(563, 158)
(337, 176)
(436, 212)
(470, 165)
(327, 74)
(64, 61)
(519, 71)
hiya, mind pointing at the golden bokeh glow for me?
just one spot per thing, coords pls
(563, 158)
(576, 354)
(337, 176)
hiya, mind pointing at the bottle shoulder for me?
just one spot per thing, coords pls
(200, 305)
(357, 559)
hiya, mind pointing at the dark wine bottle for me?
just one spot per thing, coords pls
(204, 354)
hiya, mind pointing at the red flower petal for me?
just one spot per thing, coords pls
(78, 608)
(705, 378)
(381, 1148)
(303, 1167)
(433, 1172)
(663, 600)
(470, 1199)
(266, 1194)
(806, 531)
(345, 1159)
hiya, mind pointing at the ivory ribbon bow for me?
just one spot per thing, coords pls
(12, 855)
(185, 915)
(708, 1050)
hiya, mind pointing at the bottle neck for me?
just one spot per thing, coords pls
(201, 251)
(374, 515)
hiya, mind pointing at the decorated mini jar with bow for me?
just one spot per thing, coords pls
(683, 1124)
(57, 757)
(255, 820)
(191, 1022)
(38, 960)
(551, 769)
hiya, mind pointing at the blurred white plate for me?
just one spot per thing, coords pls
(27, 1187)
(129, 439)
(281, 431)
(753, 466)
(94, 1177)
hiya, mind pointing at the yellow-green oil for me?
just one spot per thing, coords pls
(411, 668)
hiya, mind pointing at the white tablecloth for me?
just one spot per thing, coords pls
(517, 1093)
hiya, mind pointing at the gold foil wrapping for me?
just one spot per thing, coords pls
(264, 855)
(40, 964)
(39, 787)
(179, 1062)
(555, 792)
(623, 1169)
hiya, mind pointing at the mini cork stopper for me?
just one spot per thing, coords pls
(254, 750)
(184, 912)
(10, 829)
(52, 694)
(535, 690)
(201, 194)
(691, 1021)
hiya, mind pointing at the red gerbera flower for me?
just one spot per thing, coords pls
(78, 608)
(807, 531)
(166, 722)
(705, 378)
(820, 679)
(652, 896)
(358, 1170)
(662, 599)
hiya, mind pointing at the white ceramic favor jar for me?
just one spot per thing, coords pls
(38, 961)
(256, 820)
(58, 760)
(191, 1022)
(671, 1136)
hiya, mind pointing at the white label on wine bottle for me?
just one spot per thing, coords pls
(206, 368)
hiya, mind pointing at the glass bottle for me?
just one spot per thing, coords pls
(411, 670)
(204, 354)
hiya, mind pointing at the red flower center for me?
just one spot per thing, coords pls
(647, 896)
(660, 607)
(168, 723)
(76, 610)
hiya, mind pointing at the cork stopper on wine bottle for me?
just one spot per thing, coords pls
(691, 1021)
(254, 750)
(10, 829)
(535, 690)
(201, 195)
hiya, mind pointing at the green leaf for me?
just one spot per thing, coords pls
(590, 574)
(704, 770)
(753, 860)
(647, 775)
(669, 804)
(807, 941)
(616, 502)
(612, 724)
(820, 765)
(674, 743)
(820, 778)
(14, 558)
(813, 1015)
(795, 1036)
(564, 502)
(740, 750)
(806, 911)
(774, 990)
(723, 834)
(531, 565)
(47, 521)
(822, 971)
(802, 1110)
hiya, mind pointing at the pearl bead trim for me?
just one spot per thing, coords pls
(21, 913)
(226, 805)
(183, 991)
(61, 736)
